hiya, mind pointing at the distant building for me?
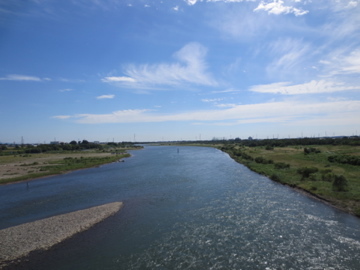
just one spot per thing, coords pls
(55, 142)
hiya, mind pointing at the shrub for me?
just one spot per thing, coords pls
(268, 147)
(282, 165)
(344, 159)
(340, 183)
(275, 177)
(311, 150)
(307, 171)
(263, 160)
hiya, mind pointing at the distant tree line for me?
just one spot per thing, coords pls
(270, 143)
(71, 146)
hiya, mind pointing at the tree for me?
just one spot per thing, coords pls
(340, 183)
(73, 143)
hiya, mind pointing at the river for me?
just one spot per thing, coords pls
(185, 208)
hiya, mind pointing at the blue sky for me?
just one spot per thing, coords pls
(144, 70)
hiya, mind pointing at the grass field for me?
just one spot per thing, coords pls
(287, 165)
(14, 168)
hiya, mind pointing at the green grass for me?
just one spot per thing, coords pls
(65, 165)
(69, 163)
(314, 184)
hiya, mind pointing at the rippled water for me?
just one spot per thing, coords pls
(196, 209)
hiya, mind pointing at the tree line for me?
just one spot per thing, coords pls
(71, 146)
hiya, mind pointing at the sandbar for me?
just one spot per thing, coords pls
(18, 241)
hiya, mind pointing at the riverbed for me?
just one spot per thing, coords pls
(185, 208)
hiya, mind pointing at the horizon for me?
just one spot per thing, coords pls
(182, 70)
(215, 139)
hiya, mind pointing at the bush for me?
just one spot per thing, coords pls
(352, 160)
(340, 183)
(311, 150)
(275, 177)
(307, 171)
(263, 160)
(281, 165)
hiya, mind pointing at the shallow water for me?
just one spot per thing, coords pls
(196, 209)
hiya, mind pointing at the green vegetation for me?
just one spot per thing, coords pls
(70, 163)
(61, 147)
(25, 162)
(313, 170)
(61, 166)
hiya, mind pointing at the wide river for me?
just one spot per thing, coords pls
(192, 208)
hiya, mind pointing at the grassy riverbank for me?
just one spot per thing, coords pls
(15, 168)
(320, 170)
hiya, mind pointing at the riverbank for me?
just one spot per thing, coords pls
(17, 168)
(310, 173)
(18, 241)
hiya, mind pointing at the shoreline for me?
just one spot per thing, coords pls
(303, 191)
(122, 159)
(19, 241)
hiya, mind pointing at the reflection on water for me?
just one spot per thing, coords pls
(192, 209)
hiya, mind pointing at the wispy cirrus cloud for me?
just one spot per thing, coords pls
(190, 69)
(312, 87)
(342, 62)
(289, 56)
(105, 97)
(62, 117)
(17, 77)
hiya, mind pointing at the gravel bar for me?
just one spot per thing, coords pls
(19, 241)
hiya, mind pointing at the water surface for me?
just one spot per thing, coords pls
(192, 209)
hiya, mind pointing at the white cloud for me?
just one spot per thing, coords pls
(277, 7)
(105, 97)
(312, 87)
(62, 117)
(226, 91)
(211, 99)
(226, 105)
(349, 64)
(190, 69)
(290, 58)
(65, 90)
(118, 79)
(285, 112)
(16, 77)
(193, 2)
(352, 4)
(341, 62)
